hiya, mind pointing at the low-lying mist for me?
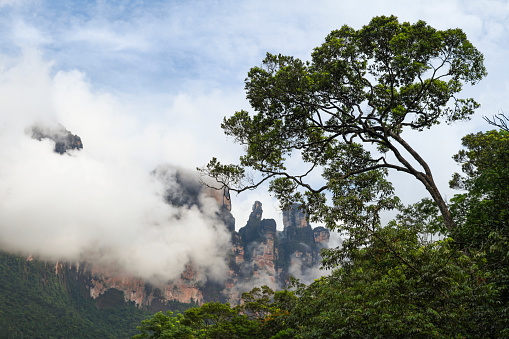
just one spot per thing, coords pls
(102, 203)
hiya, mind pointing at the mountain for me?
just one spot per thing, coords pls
(259, 255)
(40, 299)
(64, 140)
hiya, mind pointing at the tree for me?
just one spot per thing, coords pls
(484, 210)
(344, 113)
(211, 320)
(435, 291)
(499, 120)
(216, 320)
(164, 326)
(361, 89)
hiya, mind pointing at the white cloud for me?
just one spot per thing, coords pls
(98, 203)
(107, 38)
(28, 36)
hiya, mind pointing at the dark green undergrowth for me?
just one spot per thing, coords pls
(35, 302)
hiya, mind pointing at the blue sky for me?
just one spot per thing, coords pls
(154, 46)
(149, 82)
(152, 54)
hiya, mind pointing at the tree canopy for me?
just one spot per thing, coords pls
(344, 112)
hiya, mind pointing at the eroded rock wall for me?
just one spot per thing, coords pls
(259, 255)
(145, 294)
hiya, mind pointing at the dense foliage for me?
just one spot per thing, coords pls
(35, 302)
(483, 212)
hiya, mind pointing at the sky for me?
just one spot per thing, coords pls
(145, 83)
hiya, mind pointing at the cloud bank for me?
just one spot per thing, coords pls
(101, 203)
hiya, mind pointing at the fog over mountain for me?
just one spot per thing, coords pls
(97, 204)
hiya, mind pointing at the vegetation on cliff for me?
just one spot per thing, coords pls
(36, 302)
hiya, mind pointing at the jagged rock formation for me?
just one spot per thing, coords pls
(264, 255)
(300, 244)
(260, 254)
(260, 243)
(64, 140)
(321, 235)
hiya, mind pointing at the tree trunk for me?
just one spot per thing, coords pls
(430, 185)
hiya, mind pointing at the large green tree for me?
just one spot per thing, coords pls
(344, 113)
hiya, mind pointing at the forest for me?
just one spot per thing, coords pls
(439, 268)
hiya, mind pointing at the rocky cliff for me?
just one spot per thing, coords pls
(270, 256)
(259, 254)
(64, 140)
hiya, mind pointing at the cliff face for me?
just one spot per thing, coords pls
(259, 254)
(300, 243)
(192, 287)
(260, 243)
(154, 297)
(270, 256)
